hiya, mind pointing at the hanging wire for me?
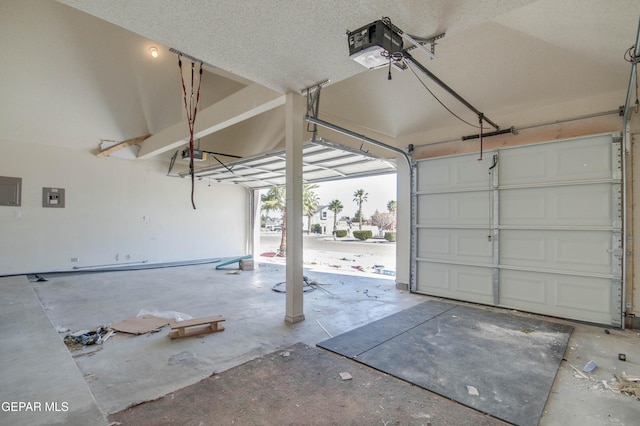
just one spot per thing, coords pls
(408, 63)
(191, 108)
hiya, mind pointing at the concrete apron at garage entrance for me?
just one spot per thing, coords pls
(130, 369)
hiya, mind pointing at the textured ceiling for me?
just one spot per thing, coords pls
(80, 69)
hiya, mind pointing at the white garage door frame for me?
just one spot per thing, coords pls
(538, 228)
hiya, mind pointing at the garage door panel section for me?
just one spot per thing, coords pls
(467, 208)
(465, 245)
(554, 162)
(560, 250)
(461, 172)
(581, 298)
(535, 228)
(463, 282)
(571, 205)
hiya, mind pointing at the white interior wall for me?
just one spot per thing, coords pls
(117, 211)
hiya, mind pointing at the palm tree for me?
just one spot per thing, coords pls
(359, 196)
(275, 200)
(336, 207)
(310, 203)
(392, 206)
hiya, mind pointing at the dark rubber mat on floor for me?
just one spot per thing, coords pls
(499, 363)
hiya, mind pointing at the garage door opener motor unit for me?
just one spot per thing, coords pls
(373, 44)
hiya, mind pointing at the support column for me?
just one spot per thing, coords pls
(294, 120)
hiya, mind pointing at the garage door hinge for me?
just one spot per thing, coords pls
(617, 139)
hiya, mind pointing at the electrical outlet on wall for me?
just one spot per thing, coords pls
(53, 197)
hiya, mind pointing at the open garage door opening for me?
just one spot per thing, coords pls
(346, 190)
(349, 226)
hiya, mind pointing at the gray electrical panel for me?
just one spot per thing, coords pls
(53, 197)
(10, 191)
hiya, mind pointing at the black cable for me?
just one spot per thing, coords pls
(436, 98)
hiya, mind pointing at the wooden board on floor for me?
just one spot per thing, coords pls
(196, 326)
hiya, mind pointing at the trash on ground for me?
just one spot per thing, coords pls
(79, 339)
(61, 329)
(626, 386)
(196, 326)
(309, 285)
(590, 367)
(170, 315)
(285, 354)
(472, 391)
(345, 376)
(140, 325)
(579, 374)
(325, 330)
(622, 357)
(366, 291)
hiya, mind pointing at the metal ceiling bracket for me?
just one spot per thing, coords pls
(423, 42)
(313, 105)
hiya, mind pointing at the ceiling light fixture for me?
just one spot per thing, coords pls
(153, 51)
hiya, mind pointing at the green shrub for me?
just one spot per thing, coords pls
(363, 235)
(316, 228)
(341, 233)
(390, 236)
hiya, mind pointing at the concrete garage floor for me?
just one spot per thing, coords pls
(129, 369)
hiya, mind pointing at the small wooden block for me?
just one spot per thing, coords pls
(196, 327)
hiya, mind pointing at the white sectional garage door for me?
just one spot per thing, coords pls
(536, 228)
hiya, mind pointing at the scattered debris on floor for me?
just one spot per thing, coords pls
(366, 292)
(346, 376)
(79, 340)
(624, 384)
(629, 385)
(325, 330)
(61, 329)
(590, 367)
(196, 327)
(472, 391)
(309, 286)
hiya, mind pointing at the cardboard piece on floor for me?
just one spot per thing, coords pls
(140, 325)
